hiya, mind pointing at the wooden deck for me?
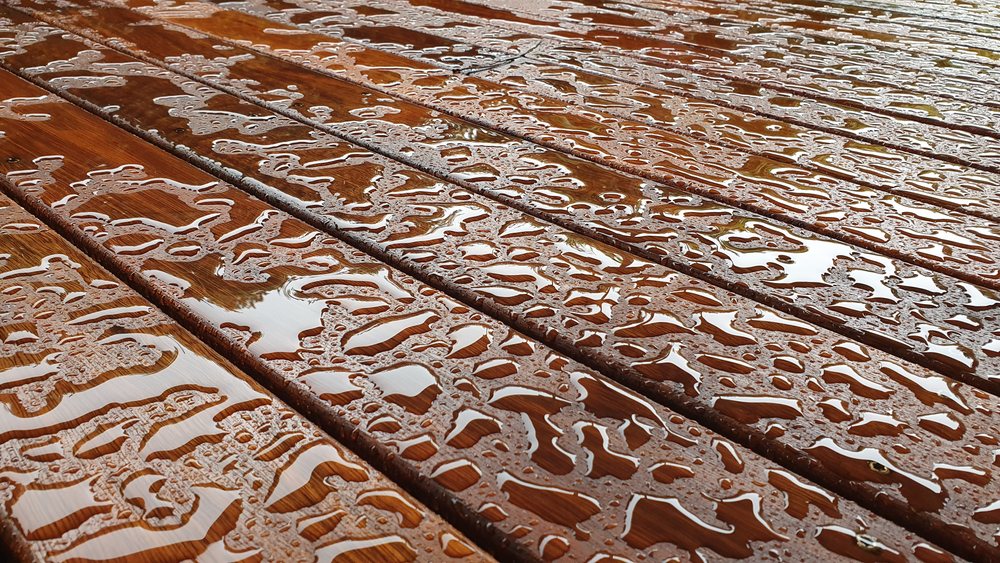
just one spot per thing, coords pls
(516, 280)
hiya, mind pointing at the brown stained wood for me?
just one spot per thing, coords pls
(779, 265)
(458, 43)
(124, 438)
(937, 25)
(983, 15)
(559, 460)
(901, 80)
(790, 65)
(738, 39)
(639, 321)
(828, 30)
(640, 61)
(892, 225)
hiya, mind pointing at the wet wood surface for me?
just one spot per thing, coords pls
(578, 315)
(445, 40)
(126, 438)
(509, 398)
(711, 239)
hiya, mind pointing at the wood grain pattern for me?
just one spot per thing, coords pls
(467, 44)
(717, 76)
(597, 281)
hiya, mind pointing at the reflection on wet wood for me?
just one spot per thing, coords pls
(790, 267)
(493, 171)
(712, 75)
(605, 305)
(448, 40)
(890, 45)
(125, 438)
(559, 459)
(900, 80)
(893, 225)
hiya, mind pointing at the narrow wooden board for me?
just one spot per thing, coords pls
(874, 29)
(908, 79)
(983, 16)
(647, 61)
(892, 225)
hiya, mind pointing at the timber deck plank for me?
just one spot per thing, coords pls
(595, 302)
(463, 44)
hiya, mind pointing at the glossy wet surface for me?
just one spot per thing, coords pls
(682, 229)
(559, 306)
(127, 438)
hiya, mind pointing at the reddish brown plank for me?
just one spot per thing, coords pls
(460, 43)
(982, 15)
(874, 29)
(893, 225)
(648, 61)
(907, 77)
